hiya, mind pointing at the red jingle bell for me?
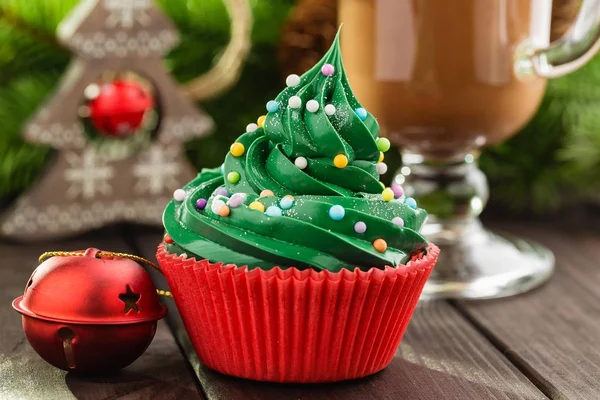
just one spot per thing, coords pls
(118, 109)
(90, 312)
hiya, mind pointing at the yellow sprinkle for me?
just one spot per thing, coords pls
(340, 161)
(387, 194)
(261, 120)
(380, 156)
(266, 193)
(237, 149)
(382, 184)
(257, 205)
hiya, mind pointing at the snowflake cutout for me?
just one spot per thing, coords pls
(88, 175)
(156, 171)
(126, 13)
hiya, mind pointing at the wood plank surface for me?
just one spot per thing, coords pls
(552, 334)
(160, 373)
(441, 357)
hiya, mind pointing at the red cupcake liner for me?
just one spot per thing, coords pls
(291, 325)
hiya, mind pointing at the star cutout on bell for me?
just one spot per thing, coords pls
(130, 298)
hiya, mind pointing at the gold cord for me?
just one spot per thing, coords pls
(227, 70)
(105, 254)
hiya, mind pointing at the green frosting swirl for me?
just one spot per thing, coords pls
(304, 235)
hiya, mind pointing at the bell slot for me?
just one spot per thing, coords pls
(29, 282)
(67, 336)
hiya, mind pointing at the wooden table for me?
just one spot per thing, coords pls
(544, 344)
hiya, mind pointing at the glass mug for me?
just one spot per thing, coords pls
(444, 79)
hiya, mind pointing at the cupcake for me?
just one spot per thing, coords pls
(292, 262)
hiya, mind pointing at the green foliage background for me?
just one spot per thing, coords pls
(553, 162)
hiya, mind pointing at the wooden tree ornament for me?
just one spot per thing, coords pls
(85, 187)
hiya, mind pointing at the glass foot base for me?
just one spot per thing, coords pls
(484, 265)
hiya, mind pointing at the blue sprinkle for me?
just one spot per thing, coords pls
(412, 203)
(362, 113)
(286, 203)
(223, 169)
(273, 211)
(272, 106)
(337, 212)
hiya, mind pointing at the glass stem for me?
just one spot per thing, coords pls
(453, 192)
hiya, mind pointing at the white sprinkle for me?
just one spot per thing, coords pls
(312, 106)
(216, 205)
(292, 80)
(329, 109)
(251, 127)
(301, 162)
(179, 195)
(381, 168)
(295, 102)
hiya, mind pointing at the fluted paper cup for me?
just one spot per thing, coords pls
(291, 325)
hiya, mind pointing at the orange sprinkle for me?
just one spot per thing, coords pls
(224, 211)
(266, 193)
(380, 245)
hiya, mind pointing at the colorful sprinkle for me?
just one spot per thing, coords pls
(292, 80)
(398, 221)
(362, 113)
(257, 205)
(387, 194)
(179, 195)
(381, 157)
(274, 211)
(380, 245)
(201, 204)
(224, 211)
(327, 69)
(222, 192)
(266, 193)
(360, 227)
(329, 109)
(251, 127)
(168, 239)
(383, 144)
(295, 102)
(340, 161)
(237, 149)
(216, 205)
(412, 203)
(287, 202)
(261, 120)
(381, 168)
(222, 168)
(398, 190)
(272, 106)
(312, 106)
(233, 177)
(337, 212)
(236, 200)
(301, 162)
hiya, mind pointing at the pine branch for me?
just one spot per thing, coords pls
(15, 21)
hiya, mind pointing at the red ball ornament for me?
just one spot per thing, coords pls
(90, 312)
(117, 109)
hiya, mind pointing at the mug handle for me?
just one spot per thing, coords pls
(227, 70)
(567, 54)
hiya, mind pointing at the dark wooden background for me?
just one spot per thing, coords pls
(544, 344)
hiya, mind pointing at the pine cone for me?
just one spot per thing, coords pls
(307, 35)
